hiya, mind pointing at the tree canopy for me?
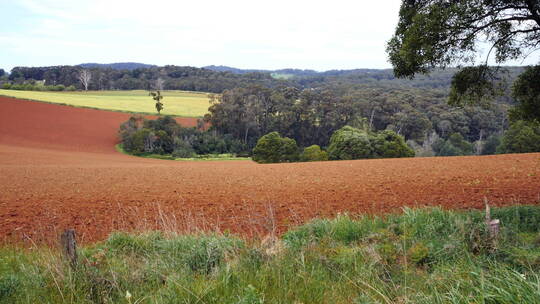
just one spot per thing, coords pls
(440, 33)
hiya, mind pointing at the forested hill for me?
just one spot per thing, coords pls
(118, 66)
(174, 78)
(129, 76)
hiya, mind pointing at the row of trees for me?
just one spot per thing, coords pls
(36, 86)
(164, 135)
(151, 78)
(346, 143)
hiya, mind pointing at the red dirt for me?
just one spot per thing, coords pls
(59, 169)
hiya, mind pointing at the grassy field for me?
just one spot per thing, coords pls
(177, 103)
(421, 256)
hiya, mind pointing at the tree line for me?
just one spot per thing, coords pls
(170, 77)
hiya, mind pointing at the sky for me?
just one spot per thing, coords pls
(312, 34)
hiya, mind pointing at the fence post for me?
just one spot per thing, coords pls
(493, 226)
(69, 246)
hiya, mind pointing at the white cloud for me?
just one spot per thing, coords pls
(250, 34)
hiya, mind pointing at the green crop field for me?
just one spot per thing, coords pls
(177, 103)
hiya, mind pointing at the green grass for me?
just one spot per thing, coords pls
(420, 256)
(176, 103)
(205, 157)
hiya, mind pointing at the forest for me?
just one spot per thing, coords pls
(309, 106)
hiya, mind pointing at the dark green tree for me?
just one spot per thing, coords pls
(491, 144)
(526, 91)
(272, 148)
(313, 153)
(440, 33)
(350, 143)
(521, 137)
(388, 144)
(157, 97)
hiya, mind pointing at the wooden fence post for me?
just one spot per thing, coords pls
(493, 226)
(69, 246)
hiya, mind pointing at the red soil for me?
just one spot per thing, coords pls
(59, 169)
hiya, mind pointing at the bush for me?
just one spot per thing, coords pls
(165, 136)
(142, 141)
(389, 144)
(456, 145)
(183, 150)
(313, 153)
(350, 143)
(459, 142)
(6, 86)
(272, 148)
(491, 144)
(418, 253)
(521, 137)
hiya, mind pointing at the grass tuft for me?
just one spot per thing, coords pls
(420, 256)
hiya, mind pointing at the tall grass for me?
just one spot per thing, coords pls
(420, 256)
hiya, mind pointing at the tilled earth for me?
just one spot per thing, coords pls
(59, 169)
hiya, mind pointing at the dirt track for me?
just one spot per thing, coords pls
(59, 169)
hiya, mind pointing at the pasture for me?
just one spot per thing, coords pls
(177, 103)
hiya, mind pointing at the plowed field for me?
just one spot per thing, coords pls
(59, 169)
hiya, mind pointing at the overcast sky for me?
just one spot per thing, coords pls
(319, 35)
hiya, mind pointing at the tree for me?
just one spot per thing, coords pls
(440, 33)
(272, 148)
(521, 137)
(350, 143)
(2, 72)
(157, 97)
(491, 144)
(526, 91)
(159, 84)
(388, 144)
(84, 77)
(313, 153)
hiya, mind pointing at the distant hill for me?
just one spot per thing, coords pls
(294, 72)
(118, 66)
(223, 68)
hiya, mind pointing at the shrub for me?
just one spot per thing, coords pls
(350, 143)
(491, 144)
(449, 150)
(388, 144)
(418, 253)
(521, 137)
(272, 148)
(183, 149)
(313, 153)
(6, 86)
(165, 136)
(456, 145)
(459, 142)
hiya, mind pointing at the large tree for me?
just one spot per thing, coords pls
(440, 33)
(84, 77)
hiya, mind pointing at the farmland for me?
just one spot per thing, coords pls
(60, 169)
(177, 103)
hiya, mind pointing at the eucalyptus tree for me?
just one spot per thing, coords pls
(442, 33)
